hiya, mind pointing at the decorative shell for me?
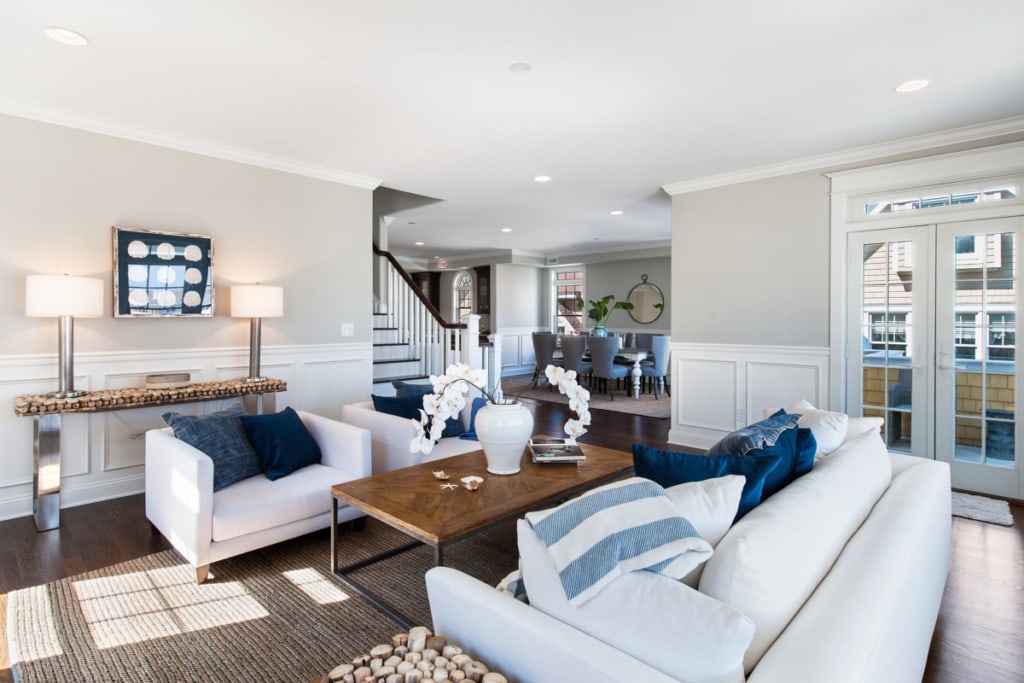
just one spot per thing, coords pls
(472, 483)
(440, 474)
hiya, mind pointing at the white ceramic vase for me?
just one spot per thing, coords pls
(504, 429)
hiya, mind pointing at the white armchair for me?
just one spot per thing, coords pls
(206, 527)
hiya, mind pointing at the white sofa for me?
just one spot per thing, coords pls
(841, 573)
(391, 435)
(206, 527)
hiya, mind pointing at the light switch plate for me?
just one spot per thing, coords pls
(348, 329)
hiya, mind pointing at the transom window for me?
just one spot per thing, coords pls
(936, 198)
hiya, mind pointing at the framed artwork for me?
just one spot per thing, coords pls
(162, 274)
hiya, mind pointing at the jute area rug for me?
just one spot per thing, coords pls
(622, 403)
(275, 614)
(982, 509)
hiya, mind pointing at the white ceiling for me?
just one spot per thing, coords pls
(623, 98)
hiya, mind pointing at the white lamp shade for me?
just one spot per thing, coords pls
(257, 301)
(56, 295)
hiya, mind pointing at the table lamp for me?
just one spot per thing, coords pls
(256, 302)
(65, 298)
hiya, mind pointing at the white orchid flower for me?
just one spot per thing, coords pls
(577, 405)
(574, 428)
(554, 374)
(421, 443)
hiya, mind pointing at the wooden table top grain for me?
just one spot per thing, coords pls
(411, 499)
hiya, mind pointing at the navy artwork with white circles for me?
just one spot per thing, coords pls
(162, 274)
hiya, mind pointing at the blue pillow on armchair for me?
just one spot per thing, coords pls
(220, 436)
(409, 406)
(669, 468)
(282, 442)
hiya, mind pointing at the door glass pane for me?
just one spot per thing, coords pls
(887, 337)
(985, 337)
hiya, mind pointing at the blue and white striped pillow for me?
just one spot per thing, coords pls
(625, 526)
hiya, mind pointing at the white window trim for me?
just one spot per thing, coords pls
(959, 167)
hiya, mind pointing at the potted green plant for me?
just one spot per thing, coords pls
(601, 309)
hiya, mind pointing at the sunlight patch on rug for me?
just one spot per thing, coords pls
(319, 588)
(139, 606)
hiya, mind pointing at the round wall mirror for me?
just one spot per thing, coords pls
(648, 302)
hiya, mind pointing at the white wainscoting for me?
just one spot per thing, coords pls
(102, 454)
(517, 355)
(717, 388)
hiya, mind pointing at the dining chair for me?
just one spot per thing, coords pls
(658, 369)
(643, 340)
(573, 348)
(602, 355)
(544, 354)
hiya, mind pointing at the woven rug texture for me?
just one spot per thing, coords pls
(274, 614)
(623, 402)
(983, 509)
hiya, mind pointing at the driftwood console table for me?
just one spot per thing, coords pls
(46, 412)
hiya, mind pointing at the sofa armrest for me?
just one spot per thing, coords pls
(390, 436)
(343, 446)
(521, 642)
(179, 494)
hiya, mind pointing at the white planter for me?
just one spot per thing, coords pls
(504, 429)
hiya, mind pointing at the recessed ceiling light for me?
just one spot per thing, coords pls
(542, 178)
(506, 229)
(66, 36)
(411, 222)
(616, 212)
(418, 244)
(911, 86)
(520, 68)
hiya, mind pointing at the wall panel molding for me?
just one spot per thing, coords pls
(717, 388)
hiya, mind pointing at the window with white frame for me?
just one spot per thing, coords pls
(888, 332)
(1002, 336)
(965, 335)
(463, 293)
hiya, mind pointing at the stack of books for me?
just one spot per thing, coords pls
(555, 450)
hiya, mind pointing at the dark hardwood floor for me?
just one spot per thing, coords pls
(979, 635)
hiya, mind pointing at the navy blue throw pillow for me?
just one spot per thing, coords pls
(758, 435)
(222, 437)
(470, 434)
(403, 388)
(282, 442)
(806, 447)
(669, 468)
(409, 406)
(785, 448)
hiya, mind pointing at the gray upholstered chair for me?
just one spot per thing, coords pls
(657, 370)
(643, 340)
(573, 348)
(544, 354)
(602, 355)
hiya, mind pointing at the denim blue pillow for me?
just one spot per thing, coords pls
(222, 437)
(409, 407)
(470, 434)
(669, 468)
(282, 442)
(758, 435)
(785, 447)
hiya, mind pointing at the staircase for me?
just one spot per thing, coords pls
(411, 340)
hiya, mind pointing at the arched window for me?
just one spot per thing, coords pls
(463, 295)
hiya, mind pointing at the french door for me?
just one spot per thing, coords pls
(934, 312)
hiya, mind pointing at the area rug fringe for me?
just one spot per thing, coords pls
(982, 509)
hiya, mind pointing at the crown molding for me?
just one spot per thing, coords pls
(856, 154)
(182, 143)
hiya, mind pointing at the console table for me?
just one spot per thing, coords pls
(46, 412)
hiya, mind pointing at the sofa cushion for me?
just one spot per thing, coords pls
(282, 442)
(470, 434)
(768, 564)
(786, 449)
(758, 435)
(419, 389)
(628, 525)
(258, 503)
(220, 436)
(710, 505)
(409, 407)
(698, 639)
(829, 427)
(669, 468)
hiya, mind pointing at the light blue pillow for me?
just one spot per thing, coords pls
(669, 468)
(758, 435)
(222, 437)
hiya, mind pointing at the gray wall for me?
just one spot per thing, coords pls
(517, 294)
(63, 189)
(618, 277)
(750, 263)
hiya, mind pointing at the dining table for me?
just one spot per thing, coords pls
(636, 355)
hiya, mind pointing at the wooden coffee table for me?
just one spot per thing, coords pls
(412, 500)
